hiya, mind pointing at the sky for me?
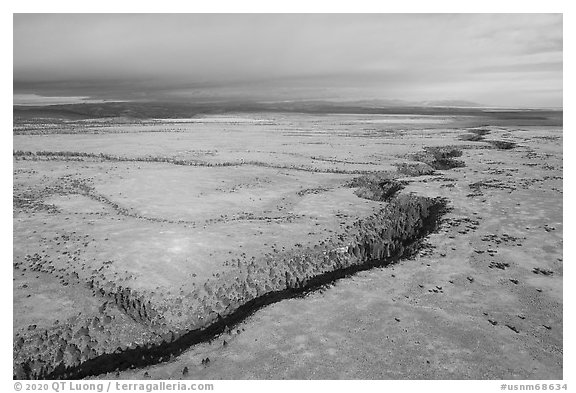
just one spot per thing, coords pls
(512, 60)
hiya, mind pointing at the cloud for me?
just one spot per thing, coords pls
(386, 55)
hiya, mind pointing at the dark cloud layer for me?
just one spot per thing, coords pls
(501, 59)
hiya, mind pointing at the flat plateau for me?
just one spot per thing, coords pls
(131, 235)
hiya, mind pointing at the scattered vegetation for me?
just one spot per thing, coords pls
(80, 156)
(377, 187)
(414, 169)
(475, 135)
(440, 158)
(502, 145)
(471, 137)
(545, 272)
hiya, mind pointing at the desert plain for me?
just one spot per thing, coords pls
(282, 245)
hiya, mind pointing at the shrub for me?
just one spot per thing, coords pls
(441, 158)
(502, 145)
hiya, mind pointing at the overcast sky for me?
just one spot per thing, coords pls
(503, 59)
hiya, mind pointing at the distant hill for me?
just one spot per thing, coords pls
(168, 110)
(453, 103)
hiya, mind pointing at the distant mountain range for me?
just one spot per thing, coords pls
(167, 110)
